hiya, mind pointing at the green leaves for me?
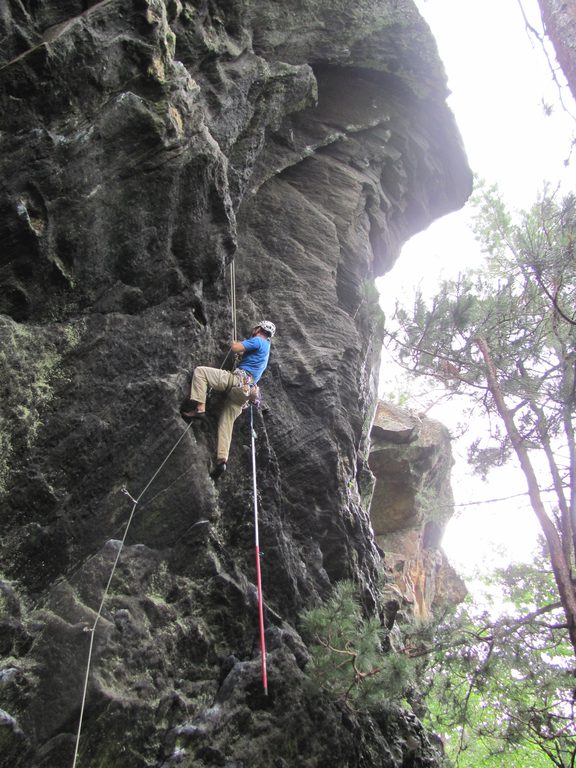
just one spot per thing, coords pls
(505, 337)
(347, 658)
(501, 689)
(523, 303)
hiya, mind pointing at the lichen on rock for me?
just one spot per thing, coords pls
(144, 145)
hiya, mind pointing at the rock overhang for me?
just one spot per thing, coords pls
(155, 142)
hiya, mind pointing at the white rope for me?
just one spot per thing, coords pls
(233, 299)
(135, 504)
(92, 630)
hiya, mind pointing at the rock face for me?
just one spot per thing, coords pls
(143, 145)
(412, 501)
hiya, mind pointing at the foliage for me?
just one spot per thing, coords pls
(346, 652)
(501, 691)
(505, 336)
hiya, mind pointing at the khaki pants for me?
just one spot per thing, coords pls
(220, 380)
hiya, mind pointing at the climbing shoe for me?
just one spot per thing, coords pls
(188, 411)
(189, 416)
(218, 471)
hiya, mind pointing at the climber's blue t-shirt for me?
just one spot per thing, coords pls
(255, 357)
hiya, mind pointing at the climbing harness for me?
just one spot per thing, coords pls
(92, 630)
(257, 548)
(244, 381)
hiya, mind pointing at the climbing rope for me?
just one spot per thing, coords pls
(257, 547)
(233, 299)
(254, 493)
(92, 630)
(135, 502)
(233, 314)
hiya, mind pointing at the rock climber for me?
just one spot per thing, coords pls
(240, 386)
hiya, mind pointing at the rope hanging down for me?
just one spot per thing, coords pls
(233, 313)
(136, 501)
(257, 547)
(233, 299)
(92, 630)
(254, 493)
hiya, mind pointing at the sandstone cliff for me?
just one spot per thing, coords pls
(143, 145)
(412, 501)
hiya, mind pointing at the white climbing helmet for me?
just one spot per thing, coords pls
(267, 327)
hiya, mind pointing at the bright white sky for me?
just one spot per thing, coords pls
(498, 77)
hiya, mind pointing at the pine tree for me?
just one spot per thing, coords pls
(499, 684)
(347, 658)
(505, 336)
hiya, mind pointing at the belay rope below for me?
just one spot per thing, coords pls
(92, 630)
(254, 494)
(257, 548)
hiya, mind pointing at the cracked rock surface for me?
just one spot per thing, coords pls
(144, 144)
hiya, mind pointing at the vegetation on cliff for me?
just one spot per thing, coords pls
(347, 652)
(504, 336)
(497, 677)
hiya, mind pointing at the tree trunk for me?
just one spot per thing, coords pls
(559, 19)
(561, 568)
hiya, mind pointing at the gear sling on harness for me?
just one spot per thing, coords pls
(245, 382)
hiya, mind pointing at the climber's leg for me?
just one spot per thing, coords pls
(202, 379)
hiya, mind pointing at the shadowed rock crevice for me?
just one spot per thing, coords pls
(144, 144)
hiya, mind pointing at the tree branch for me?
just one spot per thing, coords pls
(561, 568)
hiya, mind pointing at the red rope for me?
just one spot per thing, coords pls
(261, 615)
(257, 544)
